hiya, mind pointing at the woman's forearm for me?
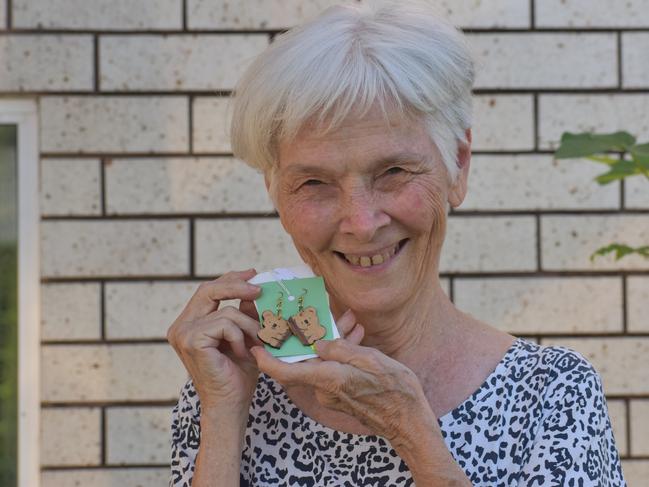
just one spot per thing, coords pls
(422, 447)
(432, 465)
(219, 454)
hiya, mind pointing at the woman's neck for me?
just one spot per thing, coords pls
(415, 333)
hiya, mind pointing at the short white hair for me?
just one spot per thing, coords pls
(399, 56)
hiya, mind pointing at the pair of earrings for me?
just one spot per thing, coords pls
(304, 324)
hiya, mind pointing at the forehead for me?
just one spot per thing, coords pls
(371, 137)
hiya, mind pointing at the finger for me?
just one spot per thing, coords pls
(249, 326)
(346, 322)
(209, 294)
(343, 351)
(223, 330)
(356, 335)
(303, 373)
(248, 308)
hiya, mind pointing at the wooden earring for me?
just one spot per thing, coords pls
(274, 328)
(305, 324)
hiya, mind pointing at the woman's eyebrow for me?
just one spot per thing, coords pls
(384, 161)
(400, 158)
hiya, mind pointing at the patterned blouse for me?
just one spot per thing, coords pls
(539, 419)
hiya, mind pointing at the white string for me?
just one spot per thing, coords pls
(279, 281)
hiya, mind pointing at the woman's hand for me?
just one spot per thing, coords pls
(214, 343)
(383, 394)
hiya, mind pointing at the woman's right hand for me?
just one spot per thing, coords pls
(214, 343)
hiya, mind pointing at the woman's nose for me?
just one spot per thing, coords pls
(362, 216)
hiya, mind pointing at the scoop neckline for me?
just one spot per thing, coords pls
(314, 426)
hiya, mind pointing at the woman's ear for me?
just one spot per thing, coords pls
(270, 189)
(458, 190)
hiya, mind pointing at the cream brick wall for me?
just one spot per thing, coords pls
(162, 63)
(123, 124)
(188, 185)
(567, 241)
(46, 63)
(125, 428)
(531, 182)
(70, 187)
(144, 310)
(211, 132)
(635, 62)
(544, 305)
(58, 425)
(586, 13)
(113, 477)
(71, 311)
(141, 199)
(617, 410)
(98, 14)
(545, 60)
(503, 122)
(102, 373)
(591, 113)
(637, 299)
(489, 244)
(119, 248)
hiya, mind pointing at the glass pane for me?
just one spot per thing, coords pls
(8, 306)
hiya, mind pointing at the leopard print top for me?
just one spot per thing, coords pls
(539, 419)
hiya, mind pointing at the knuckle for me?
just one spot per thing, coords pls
(373, 358)
(326, 399)
(204, 286)
(228, 311)
(170, 336)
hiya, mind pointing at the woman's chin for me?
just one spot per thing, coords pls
(364, 302)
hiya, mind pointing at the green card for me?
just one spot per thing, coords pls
(312, 290)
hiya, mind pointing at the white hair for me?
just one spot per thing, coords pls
(400, 56)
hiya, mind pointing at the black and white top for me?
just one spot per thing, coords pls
(539, 419)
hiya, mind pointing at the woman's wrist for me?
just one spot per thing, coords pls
(221, 442)
(224, 419)
(421, 446)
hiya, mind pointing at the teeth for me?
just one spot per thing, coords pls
(367, 261)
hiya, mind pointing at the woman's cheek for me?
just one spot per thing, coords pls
(420, 203)
(305, 220)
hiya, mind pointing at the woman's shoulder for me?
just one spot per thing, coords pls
(551, 372)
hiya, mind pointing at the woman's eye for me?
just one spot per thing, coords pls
(312, 182)
(394, 170)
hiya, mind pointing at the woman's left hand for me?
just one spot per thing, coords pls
(383, 394)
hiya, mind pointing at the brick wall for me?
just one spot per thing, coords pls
(141, 200)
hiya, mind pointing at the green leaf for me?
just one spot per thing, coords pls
(619, 170)
(641, 148)
(621, 250)
(640, 154)
(586, 144)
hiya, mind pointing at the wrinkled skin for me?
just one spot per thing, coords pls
(359, 190)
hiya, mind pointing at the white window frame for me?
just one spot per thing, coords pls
(24, 114)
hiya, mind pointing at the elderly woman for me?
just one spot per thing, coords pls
(360, 122)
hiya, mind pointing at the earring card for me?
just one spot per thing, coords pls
(291, 287)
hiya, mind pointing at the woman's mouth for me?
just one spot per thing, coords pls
(374, 258)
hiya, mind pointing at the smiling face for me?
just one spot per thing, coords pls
(365, 205)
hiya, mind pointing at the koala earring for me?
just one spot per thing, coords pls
(305, 324)
(274, 328)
